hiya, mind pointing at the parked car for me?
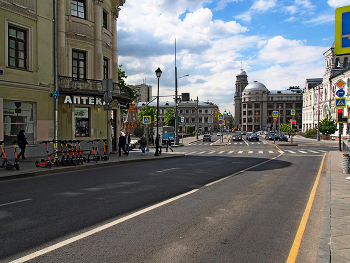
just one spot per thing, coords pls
(237, 137)
(206, 137)
(281, 137)
(253, 137)
(270, 137)
(132, 145)
(219, 134)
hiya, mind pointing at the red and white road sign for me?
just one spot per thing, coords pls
(275, 119)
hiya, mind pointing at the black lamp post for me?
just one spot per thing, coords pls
(158, 74)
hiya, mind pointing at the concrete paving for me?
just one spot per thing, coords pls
(334, 243)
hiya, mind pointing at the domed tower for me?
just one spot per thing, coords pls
(241, 83)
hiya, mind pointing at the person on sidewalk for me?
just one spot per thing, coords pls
(158, 143)
(127, 142)
(143, 143)
(168, 145)
(121, 144)
(22, 142)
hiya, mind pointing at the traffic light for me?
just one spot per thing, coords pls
(293, 124)
(340, 116)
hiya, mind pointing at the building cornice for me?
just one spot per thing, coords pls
(27, 86)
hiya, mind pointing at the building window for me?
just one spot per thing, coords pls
(200, 111)
(205, 119)
(18, 116)
(181, 111)
(206, 111)
(78, 8)
(17, 53)
(105, 19)
(82, 122)
(186, 111)
(193, 111)
(193, 120)
(187, 120)
(79, 64)
(105, 69)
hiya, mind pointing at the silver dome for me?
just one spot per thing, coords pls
(256, 86)
(241, 72)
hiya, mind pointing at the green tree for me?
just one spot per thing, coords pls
(147, 111)
(139, 131)
(328, 126)
(189, 129)
(170, 117)
(122, 84)
(285, 127)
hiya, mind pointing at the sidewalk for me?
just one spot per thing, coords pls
(28, 168)
(334, 243)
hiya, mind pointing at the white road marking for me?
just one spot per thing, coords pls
(230, 152)
(240, 152)
(302, 152)
(221, 152)
(291, 151)
(211, 152)
(211, 143)
(202, 152)
(270, 151)
(281, 151)
(165, 170)
(16, 202)
(313, 151)
(250, 152)
(261, 152)
(191, 153)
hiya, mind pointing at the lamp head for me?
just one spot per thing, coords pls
(158, 73)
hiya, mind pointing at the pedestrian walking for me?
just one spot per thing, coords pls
(158, 143)
(168, 145)
(22, 142)
(127, 142)
(121, 144)
(288, 134)
(143, 143)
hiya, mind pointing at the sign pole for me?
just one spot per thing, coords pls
(340, 132)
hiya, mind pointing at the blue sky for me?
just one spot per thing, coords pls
(279, 43)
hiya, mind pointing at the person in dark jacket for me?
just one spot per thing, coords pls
(168, 144)
(122, 142)
(143, 144)
(22, 142)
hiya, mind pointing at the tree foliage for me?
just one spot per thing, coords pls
(139, 131)
(328, 126)
(189, 129)
(122, 84)
(147, 111)
(285, 127)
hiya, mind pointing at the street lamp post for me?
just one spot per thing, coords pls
(197, 119)
(158, 74)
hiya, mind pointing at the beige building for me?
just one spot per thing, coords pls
(144, 92)
(87, 53)
(26, 71)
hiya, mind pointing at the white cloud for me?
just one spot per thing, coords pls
(263, 5)
(321, 19)
(246, 17)
(291, 9)
(338, 3)
(305, 4)
(281, 50)
(222, 4)
(291, 19)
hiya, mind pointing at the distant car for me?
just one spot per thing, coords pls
(281, 137)
(243, 132)
(206, 137)
(270, 137)
(253, 137)
(132, 145)
(219, 134)
(237, 137)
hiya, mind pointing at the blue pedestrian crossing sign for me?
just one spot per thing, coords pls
(146, 119)
(340, 102)
(292, 112)
(182, 119)
(342, 30)
(221, 116)
(275, 114)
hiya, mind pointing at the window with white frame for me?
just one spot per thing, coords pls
(78, 8)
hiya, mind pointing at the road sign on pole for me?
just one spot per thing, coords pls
(292, 112)
(275, 114)
(182, 119)
(221, 116)
(146, 119)
(340, 102)
(275, 119)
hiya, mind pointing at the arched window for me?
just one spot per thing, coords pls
(346, 62)
(337, 63)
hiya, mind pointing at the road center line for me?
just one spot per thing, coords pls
(161, 171)
(16, 202)
(297, 241)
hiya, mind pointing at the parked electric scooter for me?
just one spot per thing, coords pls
(44, 163)
(6, 164)
(55, 161)
(63, 160)
(97, 154)
(94, 158)
(80, 157)
(105, 156)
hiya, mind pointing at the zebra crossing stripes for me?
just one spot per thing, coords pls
(202, 152)
(250, 152)
(261, 152)
(211, 152)
(221, 152)
(291, 151)
(302, 152)
(270, 151)
(313, 151)
(230, 152)
(240, 152)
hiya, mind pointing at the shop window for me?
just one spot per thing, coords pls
(17, 48)
(105, 19)
(82, 122)
(105, 69)
(79, 64)
(78, 8)
(18, 116)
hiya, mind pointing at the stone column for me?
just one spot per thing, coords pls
(61, 38)
(98, 55)
(115, 14)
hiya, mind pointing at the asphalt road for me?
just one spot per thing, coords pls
(250, 214)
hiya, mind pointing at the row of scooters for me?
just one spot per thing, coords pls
(5, 163)
(71, 153)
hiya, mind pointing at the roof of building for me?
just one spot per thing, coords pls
(172, 104)
(241, 72)
(311, 83)
(255, 86)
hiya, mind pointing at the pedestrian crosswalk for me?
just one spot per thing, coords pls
(210, 152)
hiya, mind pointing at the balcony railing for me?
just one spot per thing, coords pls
(91, 87)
